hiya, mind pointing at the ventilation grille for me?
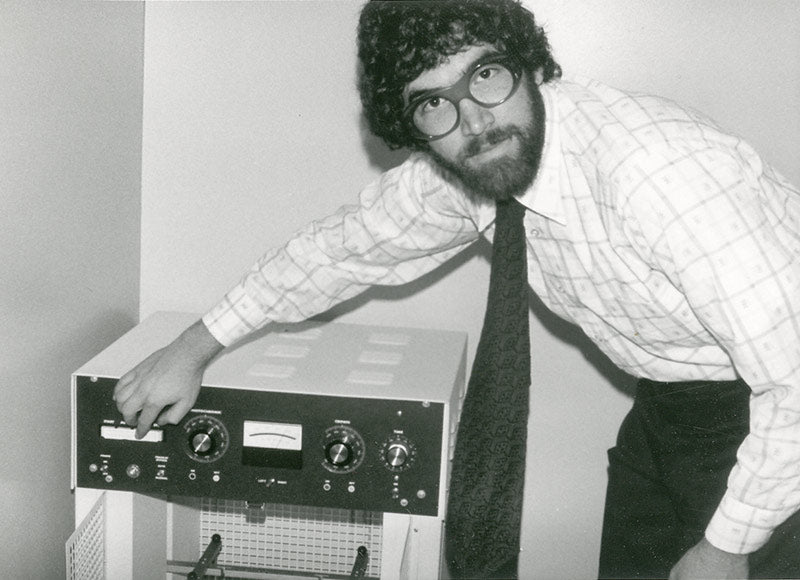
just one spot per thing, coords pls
(85, 549)
(291, 538)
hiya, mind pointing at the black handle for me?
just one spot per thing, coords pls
(360, 565)
(208, 558)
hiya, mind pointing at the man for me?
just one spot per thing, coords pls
(668, 241)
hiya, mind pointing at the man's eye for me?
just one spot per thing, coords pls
(431, 104)
(487, 72)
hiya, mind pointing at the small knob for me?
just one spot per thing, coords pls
(207, 439)
(343, 449)
(397, 454)
(202, 442)
(339, 453)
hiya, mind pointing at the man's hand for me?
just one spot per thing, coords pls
(164, 386)
(705, 562)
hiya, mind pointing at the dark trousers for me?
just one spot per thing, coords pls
(667, 474)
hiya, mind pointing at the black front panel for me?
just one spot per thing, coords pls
(274, 447)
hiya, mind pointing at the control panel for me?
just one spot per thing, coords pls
(326, 415)
(379, 455)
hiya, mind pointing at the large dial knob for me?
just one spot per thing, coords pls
(343, 449)
(398, 453)
(206, 438)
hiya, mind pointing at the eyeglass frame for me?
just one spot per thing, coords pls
(459, 91)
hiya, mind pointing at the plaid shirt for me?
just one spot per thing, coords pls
(670, 243)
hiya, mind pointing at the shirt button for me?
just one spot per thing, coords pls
(536, 233)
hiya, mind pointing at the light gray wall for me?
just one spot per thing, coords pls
(70, 167)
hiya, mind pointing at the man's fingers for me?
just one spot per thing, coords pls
(158, 385)
(123, 387)
(130, 408)
(131, 419)
(175, 413)
(146, 419)
(129, 383)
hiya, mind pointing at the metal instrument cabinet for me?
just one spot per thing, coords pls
(306, 443)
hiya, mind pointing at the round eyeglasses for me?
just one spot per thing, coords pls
(433, 114)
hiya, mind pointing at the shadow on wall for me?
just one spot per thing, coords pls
(561, 329)
(575, 337)
(380, 156)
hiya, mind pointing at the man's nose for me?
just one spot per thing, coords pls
(474, 118)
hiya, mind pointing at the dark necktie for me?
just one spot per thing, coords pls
(485, 498)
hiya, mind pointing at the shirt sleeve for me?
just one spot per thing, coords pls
(726, 230)
(407, 222)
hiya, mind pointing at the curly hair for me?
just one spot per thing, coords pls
(400, 39)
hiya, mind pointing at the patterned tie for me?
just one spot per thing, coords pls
(485, 498)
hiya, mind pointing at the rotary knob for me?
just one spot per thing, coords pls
(339, 454)
(343, 449)
(202, 443)
(206, 438)
(398, 453)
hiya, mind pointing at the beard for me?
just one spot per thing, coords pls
(507, 176)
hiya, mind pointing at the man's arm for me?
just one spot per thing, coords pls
(721, 224)
(408, 222)
(164, 386)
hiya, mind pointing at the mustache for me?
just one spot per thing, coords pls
(491, 137)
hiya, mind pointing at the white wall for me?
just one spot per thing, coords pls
(70, 159)
(252, 128)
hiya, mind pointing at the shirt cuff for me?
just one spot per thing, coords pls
(236, 316)
(740, 528)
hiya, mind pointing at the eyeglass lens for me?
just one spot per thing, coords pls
(489, 85)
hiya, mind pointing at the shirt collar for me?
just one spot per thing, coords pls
(544, 194)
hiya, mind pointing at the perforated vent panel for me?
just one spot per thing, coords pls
(85, 549)
(291, 538)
